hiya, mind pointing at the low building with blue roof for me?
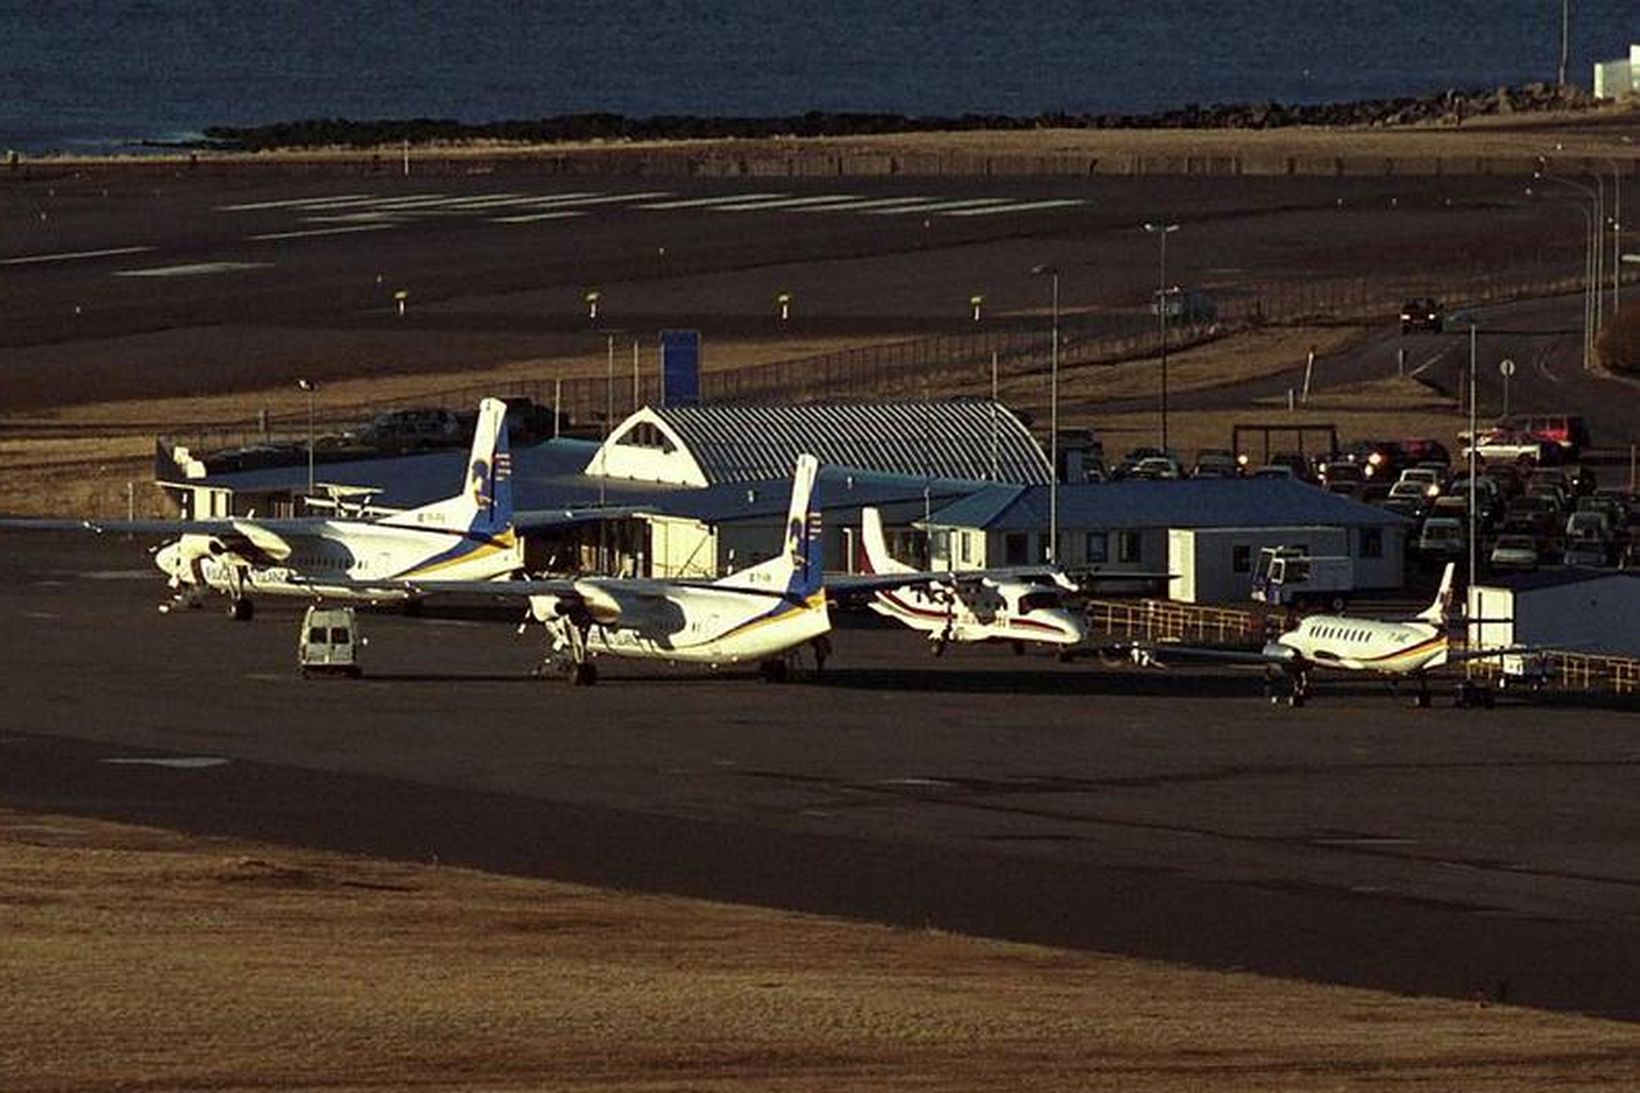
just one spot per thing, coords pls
(1206, 531)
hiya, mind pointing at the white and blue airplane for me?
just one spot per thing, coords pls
(764, 615)
(471, 535)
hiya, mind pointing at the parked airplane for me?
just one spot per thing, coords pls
(1394, 648)
(764, 614)
(1016, 605)
(469, 535)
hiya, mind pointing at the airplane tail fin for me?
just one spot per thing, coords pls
(485, 504)
(878, 559)
(1440, 610)
(799, 569)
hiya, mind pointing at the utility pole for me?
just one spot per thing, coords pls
(1565, 39)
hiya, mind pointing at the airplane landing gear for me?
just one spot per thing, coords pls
(1296, 692)
(569, 656)
(1472, 695)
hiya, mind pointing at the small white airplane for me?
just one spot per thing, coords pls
(1021, 605)
(1405, 648)
(763, 615)
(471, 535)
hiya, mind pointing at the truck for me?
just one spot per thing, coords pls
(329, 642)
(1288, 576)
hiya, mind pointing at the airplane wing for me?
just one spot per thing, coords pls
(263, 541)
(542, 519)
(1157, 654)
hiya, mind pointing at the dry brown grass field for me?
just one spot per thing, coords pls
(137, 959)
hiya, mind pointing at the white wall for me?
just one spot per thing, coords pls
(1204, 558)
(1593, 616)
(1614, 79)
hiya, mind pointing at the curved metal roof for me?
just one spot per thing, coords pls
(968, 439)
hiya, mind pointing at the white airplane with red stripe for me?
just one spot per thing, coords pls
(1023, 605)
(1396, 648)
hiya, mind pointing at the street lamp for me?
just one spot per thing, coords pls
(310, 387)
(1591, 267)
(1053, 416)
(1161, 232)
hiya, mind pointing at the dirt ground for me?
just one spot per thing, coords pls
(135, 958)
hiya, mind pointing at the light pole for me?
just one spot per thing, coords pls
(309, 386)
(1474, 442)
(1591, 287)
(1162, 231)
(1053, 416)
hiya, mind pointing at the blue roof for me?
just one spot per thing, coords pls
(1192, 503)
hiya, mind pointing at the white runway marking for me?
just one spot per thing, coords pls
(567, 207)
(180, 762)
(530, 218)
(940, 207)
(71, 256)
(871, 203)
(290, 203)
(787, 203)
(708, 202)
(319, 231)
(197, 269)
(1021, 207)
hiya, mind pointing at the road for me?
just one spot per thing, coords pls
(1172, 815)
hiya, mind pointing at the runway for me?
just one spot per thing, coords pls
(136, 285)
(1172, 815)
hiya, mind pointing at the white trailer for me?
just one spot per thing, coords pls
(1215, 565)
(1290, 576)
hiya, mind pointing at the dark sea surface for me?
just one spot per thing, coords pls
(82, 75)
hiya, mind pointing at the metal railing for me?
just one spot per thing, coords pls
(1163, 620)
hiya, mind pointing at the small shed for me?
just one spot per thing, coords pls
(1575, 608)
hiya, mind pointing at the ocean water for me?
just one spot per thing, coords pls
(103, 74)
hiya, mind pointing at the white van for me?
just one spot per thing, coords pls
(329, 642)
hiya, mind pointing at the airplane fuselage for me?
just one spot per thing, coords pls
(1357, 644)
(701, 626)
(345, 553)
(1011, 611)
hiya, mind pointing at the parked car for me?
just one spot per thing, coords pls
(1421, 313)
(1515, 552)
(1586, 553)
(1426, 478)
(406, 430)
(1442, 539)
(1215, 463)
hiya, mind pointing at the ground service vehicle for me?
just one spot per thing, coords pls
(1288, 576)
(329, 642)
